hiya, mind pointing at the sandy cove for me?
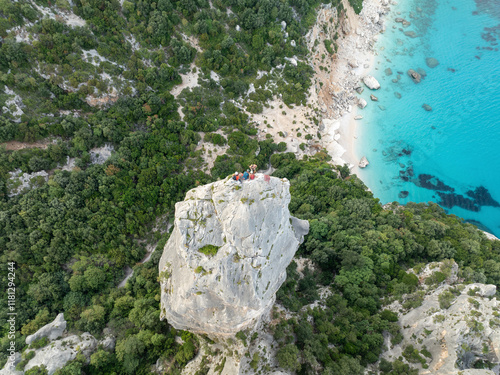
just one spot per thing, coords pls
(337, 96)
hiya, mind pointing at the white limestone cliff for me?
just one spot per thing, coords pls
(253, 238)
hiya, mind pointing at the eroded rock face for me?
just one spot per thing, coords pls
(227, 255)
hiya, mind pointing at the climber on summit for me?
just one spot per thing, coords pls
(236, 176)
(253, 167)
(246, 175)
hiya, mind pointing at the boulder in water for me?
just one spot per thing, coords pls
(414, 76)
(371, 82)
(363, 163)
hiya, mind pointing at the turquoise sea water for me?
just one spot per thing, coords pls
(450, 155)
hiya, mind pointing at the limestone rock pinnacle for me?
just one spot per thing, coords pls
(227, 255)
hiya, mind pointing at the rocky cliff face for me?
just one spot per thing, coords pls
(227, 255)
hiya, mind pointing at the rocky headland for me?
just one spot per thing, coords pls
(227, 254)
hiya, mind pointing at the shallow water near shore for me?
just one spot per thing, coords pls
(450, 154)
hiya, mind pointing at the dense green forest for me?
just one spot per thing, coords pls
(71, 237)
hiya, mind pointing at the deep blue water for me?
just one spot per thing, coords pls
(450, 155)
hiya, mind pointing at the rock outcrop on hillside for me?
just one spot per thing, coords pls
(60, 352)
(57, 353)
(227, 255)
(52, 330)
(456, 329)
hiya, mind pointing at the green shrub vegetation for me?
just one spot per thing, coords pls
(209, 250)
(40, 343)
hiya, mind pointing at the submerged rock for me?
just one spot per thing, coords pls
(427, 107)
(422, 72)
(388, 72)
(227, 255)
(411, 34)
(363, 163)
(373, 98)
(403, 194)
(397, 95)
(371, 83)
(431, 62)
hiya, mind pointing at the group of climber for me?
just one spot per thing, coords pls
(249, 174)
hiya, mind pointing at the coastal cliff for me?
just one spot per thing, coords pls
(227, 254)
